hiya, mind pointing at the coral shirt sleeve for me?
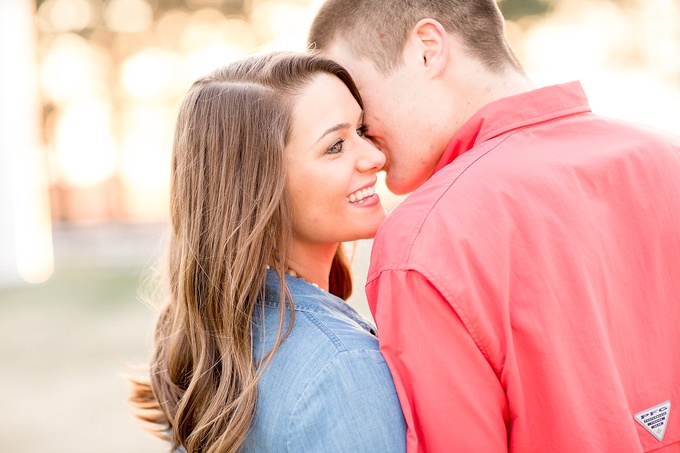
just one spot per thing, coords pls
(451, 397)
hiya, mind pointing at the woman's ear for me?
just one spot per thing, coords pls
(431, 45)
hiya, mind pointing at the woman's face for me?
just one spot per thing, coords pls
(332, 167)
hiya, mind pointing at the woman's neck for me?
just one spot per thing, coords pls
(312, 262)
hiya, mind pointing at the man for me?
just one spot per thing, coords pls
(527, 292)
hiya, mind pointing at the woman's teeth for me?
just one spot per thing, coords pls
(359, 195)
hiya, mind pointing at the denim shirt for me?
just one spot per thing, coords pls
(327, 389)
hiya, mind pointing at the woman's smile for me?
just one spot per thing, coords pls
(361, 195)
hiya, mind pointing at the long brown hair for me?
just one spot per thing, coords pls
(230, 219)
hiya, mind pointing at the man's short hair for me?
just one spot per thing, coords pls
(378, 29)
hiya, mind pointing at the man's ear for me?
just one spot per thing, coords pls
(431, 45)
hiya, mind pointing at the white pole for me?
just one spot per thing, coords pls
(25, 228)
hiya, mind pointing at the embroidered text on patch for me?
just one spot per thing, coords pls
(655, 419)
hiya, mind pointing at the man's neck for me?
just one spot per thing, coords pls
(473, 86)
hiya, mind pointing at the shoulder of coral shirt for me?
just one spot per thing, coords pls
(530, 284)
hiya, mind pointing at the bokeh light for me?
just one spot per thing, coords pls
(84, 144)
(72, 69)
(152, 73)
(66, 15)
(280, 24)
(128, 16)
(107, 65)
(576, 41)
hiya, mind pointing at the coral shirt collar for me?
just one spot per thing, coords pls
(514, 112)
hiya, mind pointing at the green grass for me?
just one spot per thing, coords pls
(65, 346)
(84, 287)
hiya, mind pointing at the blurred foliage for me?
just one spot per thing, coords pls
(230, 7)
(516, 9)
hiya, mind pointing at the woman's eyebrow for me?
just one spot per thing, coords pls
(337, 127)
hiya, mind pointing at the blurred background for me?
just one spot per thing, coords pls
(89, 90)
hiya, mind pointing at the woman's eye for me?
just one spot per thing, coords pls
(336, 147)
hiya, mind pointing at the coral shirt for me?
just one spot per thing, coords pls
(528, 295)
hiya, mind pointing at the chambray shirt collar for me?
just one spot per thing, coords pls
(311, 299)
(513, 112)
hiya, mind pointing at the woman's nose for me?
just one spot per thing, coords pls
(370, 159)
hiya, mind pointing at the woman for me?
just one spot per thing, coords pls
(257, 350)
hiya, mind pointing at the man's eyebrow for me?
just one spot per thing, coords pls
(339, 126)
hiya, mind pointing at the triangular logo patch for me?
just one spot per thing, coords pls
(655, 419)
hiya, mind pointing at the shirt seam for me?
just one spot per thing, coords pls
(462, 314)
(347, 312)
(304, 306)
(331, 362)
(328, 332)
(441, 195)
(452, 300)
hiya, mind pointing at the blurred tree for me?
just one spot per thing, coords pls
(516, 9)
